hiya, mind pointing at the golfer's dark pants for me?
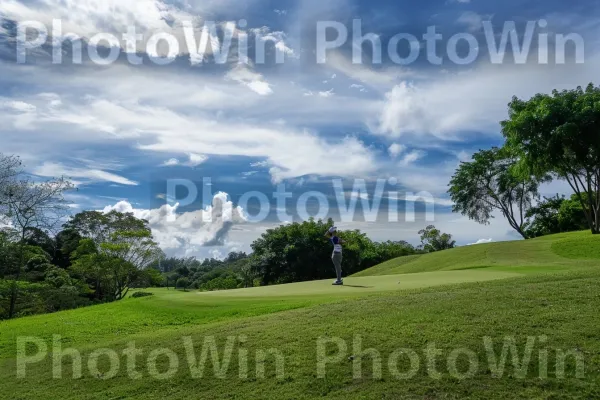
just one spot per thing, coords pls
(337, 262)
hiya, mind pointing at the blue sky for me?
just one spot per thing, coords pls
(122, 131)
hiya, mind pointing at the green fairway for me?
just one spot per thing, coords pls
(366, 284)
(545, 288)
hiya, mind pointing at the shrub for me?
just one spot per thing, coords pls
(141, 294)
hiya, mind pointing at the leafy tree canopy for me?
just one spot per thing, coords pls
(558, 134)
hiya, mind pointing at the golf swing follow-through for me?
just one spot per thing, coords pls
(336, 256)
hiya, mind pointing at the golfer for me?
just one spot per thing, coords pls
(336, 256)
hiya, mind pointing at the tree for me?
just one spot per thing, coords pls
(32, 205)
(434, 240)
(247, 276)
(66, 242)
(490, 182)
(120, 235)
(109, 275)
(555, 215)
(100, 227)
(183, 283)
(558, 134)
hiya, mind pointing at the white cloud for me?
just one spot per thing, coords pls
(367, 76)
(49, 169)
(453, 105)
(18, 106)
(254, 81)
(278, 38)
(193, 161)
(196, 159)
(172, 162)
(186, 233)
(412, 157)
(396, 149)
(481, 241)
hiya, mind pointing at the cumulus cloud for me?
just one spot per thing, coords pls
(450, 106)
(187, 232)
(396, 149)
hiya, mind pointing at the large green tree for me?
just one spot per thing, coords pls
(100, 226)
(491, 182)
(559, 133)
(109, 275)
(432, 239)
(120, 234)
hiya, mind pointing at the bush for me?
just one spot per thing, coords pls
(38, 298)
(141, 294)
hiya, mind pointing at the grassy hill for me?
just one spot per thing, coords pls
(550, 253)
(543, 290)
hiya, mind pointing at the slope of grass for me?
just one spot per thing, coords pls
(169, 309)
(550, 253)
(578, 247)
(561, 308)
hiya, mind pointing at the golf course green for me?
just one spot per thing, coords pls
(460, 308)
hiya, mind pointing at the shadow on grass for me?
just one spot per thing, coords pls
(361, 287)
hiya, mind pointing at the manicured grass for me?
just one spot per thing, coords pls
(562, 307)
(545, 289)
(170, 309)
(364, 285)
(564, 251)
(578, 247)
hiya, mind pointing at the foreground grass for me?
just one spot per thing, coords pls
(562, 307)
(561, 252)
(169, 310)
